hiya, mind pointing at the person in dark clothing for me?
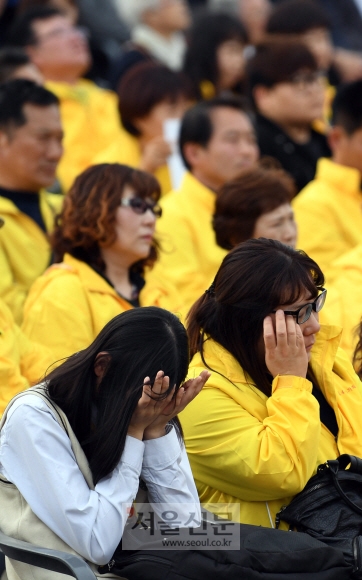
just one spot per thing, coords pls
(287, 90)
(306, 21)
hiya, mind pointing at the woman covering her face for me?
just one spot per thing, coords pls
(282, 397)
(102, 244)
(74, 448)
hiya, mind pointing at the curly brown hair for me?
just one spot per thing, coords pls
(87, 221)
(240, 202)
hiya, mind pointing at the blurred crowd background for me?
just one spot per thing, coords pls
(233, 119)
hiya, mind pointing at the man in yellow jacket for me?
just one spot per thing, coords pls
(329, 209)
(89, 113)
(30, 149)
(217, 141)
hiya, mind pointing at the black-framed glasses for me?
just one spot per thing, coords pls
(140, 205)
(303, 313)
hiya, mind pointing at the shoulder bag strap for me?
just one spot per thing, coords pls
(334, 469)
(354, 462)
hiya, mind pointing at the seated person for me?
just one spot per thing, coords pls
(102, 244)
(30, 149)
(157, 32)
(276, 405)
(306, 21)
(214, 60)
(16, 64)
(217, 141)
(89, 113)
(328, 211)
(288, 94)
(68, 480)
(255, 205)
(149, 94)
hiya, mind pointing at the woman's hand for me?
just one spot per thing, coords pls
(149, 406)
(186, 393)
(155, 154)
(285, 352)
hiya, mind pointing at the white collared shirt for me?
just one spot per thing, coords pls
(36, 455)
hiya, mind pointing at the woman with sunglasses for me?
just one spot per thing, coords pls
(282, 397)
(102, 243)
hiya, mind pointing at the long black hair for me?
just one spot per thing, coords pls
(256, 277)
(208, 32)
(139, 342)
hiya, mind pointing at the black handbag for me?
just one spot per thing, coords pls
(264, 554)
(330, 508)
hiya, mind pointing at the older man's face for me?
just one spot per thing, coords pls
(61, 50)
(29, 154)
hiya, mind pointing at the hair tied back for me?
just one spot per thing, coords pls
(211, 291)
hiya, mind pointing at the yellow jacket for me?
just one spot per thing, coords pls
(259, 451)
(68, 306)
(126, 150)
(22, 362)
(344, 304)
(90, 121)
(70, 303)
(190, 256)
(24, 249)
(328, 212)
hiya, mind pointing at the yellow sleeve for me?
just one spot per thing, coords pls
(12, 293)
(263, 455)
(179, 262)
(57, 315)
(21, 362)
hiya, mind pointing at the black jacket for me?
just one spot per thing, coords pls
(299, 160)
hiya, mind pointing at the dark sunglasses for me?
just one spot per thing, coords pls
(140, 206)
(303, 313)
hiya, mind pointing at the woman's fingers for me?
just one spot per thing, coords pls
(158, 385)
(269, 334)
(281, 328)
(285, 352)
(291, 328)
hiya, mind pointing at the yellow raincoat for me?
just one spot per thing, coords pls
(344, 303)
(259, 451)
(90, 120)
(69, 305)
(190, 256)
(24, 249)
(328, 212)
(22, 362)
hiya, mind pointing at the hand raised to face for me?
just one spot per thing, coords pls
(285, 352)
(153, 413)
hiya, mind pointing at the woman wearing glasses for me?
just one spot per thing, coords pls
(102, 244)
(282, 397)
